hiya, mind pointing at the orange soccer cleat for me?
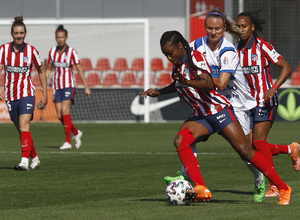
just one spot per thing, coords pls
(272, 191)
(199, 192)
(285, 196)
(295, 155)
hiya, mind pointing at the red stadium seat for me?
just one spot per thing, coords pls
(295, 78)
(156, 64)
(128, 79)
(170, 66)
(93, 79)
(164, 79)
(103, 64)
(36, 80)
(78, 80)
(86, 64)
(137, 64)
(110, 79)
(120, 65)
(141, 81)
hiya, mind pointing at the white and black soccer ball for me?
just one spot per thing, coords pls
(175, 192)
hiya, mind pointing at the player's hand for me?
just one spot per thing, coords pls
(180, 78)
(88, 92)
(150, 92)
(43, 102)
(268, 96)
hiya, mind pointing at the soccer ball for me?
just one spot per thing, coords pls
(175, 192)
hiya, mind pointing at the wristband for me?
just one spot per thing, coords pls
(275, 86)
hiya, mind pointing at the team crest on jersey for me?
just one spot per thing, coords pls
(25, 59)
(226, 60)
(254, 57)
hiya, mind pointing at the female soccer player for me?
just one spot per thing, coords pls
(256, 55)
(62, 58)
(18, 59)
(229, 79)
(212, 112)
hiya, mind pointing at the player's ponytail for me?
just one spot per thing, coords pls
(18, 21)
(61, 28)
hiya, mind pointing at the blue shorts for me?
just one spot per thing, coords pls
(20, 107)
(217, 122)
(63, 94)
(259, 114)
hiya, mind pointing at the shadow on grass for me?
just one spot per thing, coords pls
(233, 192)
(7, 168)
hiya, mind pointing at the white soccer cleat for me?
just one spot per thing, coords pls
(78, 139)
(35, 164)
(66, 146)
(21, 167)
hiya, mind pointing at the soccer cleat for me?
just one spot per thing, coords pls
(285, 196)
(272, 191)
(21, 167)
(78, 139)
(169, 179)
(35, 164)
(259, 192)
(295, 155)
(199, 192)
(66, 146)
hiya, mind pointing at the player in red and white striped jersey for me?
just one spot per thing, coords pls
(18, 58)
(256, 55)
(211, 113)
(63, 57)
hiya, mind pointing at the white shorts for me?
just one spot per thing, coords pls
(244, 119)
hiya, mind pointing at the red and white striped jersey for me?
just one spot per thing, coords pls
(202, 102)
(255, 61)
(63, 62)
(18, 66)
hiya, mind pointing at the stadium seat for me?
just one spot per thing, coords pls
(137, 64)
(295, 78)
(128, 79)
(120, 64)
(164, 79)
(170, 66)
(141, 81)
(86, 64)
(93, 79)
(110, 79)
(102, 64)
(36, 80)
(78, 80)
(156, 64)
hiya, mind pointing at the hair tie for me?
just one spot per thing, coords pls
(216, 13)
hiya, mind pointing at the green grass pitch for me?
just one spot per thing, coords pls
(118, 172)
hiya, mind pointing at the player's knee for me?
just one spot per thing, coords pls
(246, 152)
(177, 141)
(184, 138)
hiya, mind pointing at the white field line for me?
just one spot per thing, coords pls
(112, 153)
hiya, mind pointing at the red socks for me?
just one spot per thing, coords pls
(73, 128)
(188, 158)
(269, 150)
(260, 162)
(27, 146)
(67, 125)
